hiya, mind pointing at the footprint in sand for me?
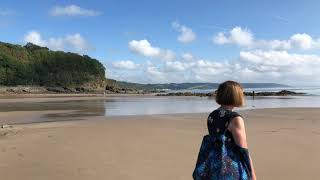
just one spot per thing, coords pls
(281, 129)
(271, 131)
(20, 155)
(4, 133)
(316, 132)
(288, 128)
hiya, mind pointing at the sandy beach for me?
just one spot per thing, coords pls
(284, 144)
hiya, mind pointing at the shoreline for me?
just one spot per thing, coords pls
(57, 97)
(15, 114)
(14, 92)
(30, 109)
(54, 97)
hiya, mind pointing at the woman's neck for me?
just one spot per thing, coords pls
(227, 107)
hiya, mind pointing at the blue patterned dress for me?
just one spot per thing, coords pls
(220, 158)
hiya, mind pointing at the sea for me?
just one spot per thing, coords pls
(154, 105)
(173, 104)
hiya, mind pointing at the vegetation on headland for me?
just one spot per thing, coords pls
(114, 86)
(32, 65)
(189, 86)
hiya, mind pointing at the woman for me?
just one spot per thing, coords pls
(224, 152)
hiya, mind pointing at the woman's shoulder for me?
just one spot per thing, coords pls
(236, 120)
(234, 114)
(214, 112)
(224, 113)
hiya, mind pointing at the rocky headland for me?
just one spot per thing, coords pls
(279, 93)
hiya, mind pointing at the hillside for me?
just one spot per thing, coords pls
(185, 86)
(32, 65)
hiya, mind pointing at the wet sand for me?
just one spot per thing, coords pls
(284, 144)
(4, 98)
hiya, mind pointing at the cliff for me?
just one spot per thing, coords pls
(32, 65)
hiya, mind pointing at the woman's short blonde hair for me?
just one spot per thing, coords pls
(230, 93)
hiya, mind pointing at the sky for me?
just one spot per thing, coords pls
(175, 41)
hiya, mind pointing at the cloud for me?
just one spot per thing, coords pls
(249, 66)
(278, 59)
(282, 66)
(73, 42)
(155, 75)
(187, 71)
(238, 36)
(302, 41)
(261, 66)
(177, 65)
(144, 47)
(72, 10)
(187, 57)
(126, 64)
(77, 42)
(35, 38)
(186, 34)
(221, 38)
(244, 38)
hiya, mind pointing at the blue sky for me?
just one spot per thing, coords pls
(177, 40)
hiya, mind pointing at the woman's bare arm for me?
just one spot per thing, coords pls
(239, 135)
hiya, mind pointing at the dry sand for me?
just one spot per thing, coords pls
(284, 144)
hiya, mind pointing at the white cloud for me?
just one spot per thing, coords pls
(221, 38)
(279, 59)
(187, 57)
(144, 47)
(167, 55)
(177, 65)
(35, 38)
(281, 66)
(73, 42)
(155, 75)
(244, 38)
(211, 71)
(261, 66)
(126, 64)
(77, 42)
(272, 44)
(186, 34)
(238, 36)
(72, 10)
(302, 41)
(250, 66)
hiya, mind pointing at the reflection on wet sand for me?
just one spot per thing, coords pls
(31, 110)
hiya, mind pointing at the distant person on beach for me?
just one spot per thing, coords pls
(224, 151)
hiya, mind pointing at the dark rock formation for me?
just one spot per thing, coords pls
(279, 93)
